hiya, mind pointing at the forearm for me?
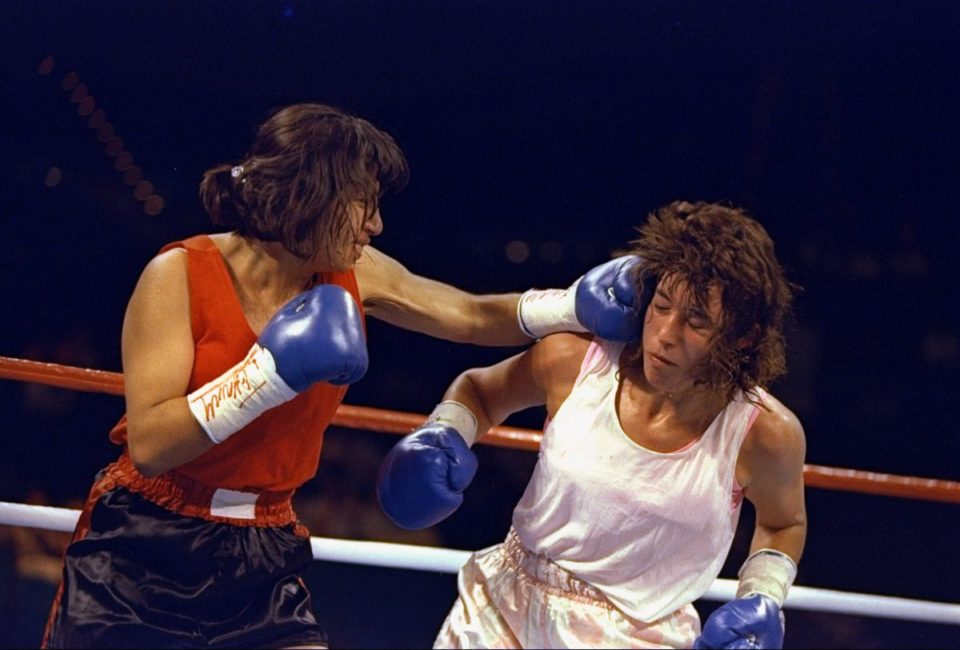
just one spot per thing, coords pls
(789, 540)
(495, 392)
(165, 436)
(465, 391)
(493, 321)
(771, 566)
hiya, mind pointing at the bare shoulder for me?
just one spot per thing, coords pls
(776, 434)
(168, 267)
(162, 282)
(561, 350)
(556, 361)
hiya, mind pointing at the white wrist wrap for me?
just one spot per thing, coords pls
(235, 398)
(458, 416)
(768, 572)
(545, 311)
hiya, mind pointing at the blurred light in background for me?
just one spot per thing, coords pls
(153, 205)
(70, 80)
(132, 176)
(53, 177)
(106, 133)
(97, 119)
(517, 251)
(143, 190)
(114, 146)
(47, 65)
(123, 162)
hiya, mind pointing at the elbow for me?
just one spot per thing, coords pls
(144, 463)
(472, 395)
(143, 458)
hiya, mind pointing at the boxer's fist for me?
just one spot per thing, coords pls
(608, 301)
(317, 336)
(754, 622)
(422, 479)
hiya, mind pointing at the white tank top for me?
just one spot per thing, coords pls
(650, 530)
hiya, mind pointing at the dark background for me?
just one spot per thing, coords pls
(558, 124)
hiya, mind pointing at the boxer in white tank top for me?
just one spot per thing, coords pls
(648, 450)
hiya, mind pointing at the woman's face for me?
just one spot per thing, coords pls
(677, 336)
(362, 223)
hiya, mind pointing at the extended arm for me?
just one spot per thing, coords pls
(603, 301)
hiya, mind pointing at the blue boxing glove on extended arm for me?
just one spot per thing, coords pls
(607, 301)
(754, 619)
(422, 479)
(316, 336)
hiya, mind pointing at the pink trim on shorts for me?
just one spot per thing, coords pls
(550, 577)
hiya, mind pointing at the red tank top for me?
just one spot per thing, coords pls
(280, 450)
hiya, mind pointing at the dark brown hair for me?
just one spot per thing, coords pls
(293, 185)
(709, 244)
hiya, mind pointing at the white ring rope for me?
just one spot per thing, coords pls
(445, 560)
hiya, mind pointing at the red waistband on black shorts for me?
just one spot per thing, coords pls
(186, 496)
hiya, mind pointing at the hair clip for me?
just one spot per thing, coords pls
(237, 171)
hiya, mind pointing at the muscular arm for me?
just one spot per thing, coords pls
(158, 349)
(393, 294)
(542, 374)
(423, 478)
(770, 468)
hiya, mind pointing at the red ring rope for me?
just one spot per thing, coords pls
(398, 422)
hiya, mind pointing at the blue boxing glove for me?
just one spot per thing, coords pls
(422, 479)
(754, 622)
(316, 336)
(608, 301)
(754, 619)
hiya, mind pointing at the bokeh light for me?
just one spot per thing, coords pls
(143, 190)
(53, 177)
(517, 251)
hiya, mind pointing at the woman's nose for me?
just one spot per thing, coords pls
(374, 224)
(667, 332)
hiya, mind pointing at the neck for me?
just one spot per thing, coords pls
(267, 266)
(693, 403)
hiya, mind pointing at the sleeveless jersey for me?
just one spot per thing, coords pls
(650, 530)
(280, 450)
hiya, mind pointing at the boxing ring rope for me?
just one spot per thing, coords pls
(398, 422)
(443, 560)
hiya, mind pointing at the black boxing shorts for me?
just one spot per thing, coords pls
(138, 575)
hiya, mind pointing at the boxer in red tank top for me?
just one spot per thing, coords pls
(237, 350)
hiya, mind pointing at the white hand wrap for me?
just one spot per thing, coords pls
(768, 572)
(457, 416)
(545, 311)
(238, 396)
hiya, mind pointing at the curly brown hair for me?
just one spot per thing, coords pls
(306, 164)
(710, 244)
